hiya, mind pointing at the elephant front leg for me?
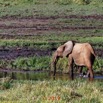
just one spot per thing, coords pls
(54, 65)
(80, 71)
(91, 77)
(71, 74)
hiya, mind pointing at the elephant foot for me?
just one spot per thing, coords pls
(84, 75)
(91, 79)
(71, 78)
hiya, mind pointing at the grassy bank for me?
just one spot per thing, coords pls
(77, 91)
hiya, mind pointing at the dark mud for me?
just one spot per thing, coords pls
(14, 53)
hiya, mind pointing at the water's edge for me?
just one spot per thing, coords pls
(39, 75)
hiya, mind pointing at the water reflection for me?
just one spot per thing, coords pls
(25, 75)
(30, 75)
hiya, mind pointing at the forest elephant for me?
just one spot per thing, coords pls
(82, 54)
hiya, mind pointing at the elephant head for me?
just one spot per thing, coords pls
(62, 51)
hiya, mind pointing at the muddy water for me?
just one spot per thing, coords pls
(40, 75)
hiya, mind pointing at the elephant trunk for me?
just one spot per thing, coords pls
(54, 61)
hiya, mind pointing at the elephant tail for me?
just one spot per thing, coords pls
(92, 50)
(93, 56)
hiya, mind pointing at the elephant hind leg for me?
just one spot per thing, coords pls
(90, 73)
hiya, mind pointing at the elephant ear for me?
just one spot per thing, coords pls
(68, 47)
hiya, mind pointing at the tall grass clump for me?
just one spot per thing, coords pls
(63, 2)
(98, 64)
(81, 1)
(96, 2)
(5, 83)
(62, 65)
(32, 63)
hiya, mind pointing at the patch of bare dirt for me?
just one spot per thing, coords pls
(13, 53)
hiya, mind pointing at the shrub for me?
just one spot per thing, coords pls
(5, 83)
(81, 1)
(64, 2)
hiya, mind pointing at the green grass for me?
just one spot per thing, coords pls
(77, 91)
(50, 41)
(64, 2)
(22, 8)
(24, 63)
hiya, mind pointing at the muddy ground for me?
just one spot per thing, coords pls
(14, 53)
(30, 52)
